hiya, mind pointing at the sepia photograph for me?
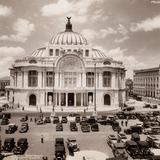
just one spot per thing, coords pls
(79, 79)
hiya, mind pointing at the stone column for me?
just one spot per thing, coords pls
(113, 80)
(39, 79)
(100, 80)
(25, 79)
(66, 99)
(74, 99)
(81, 99)
(83, 79)
(59, 99)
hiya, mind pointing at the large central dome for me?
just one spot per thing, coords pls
(68, 37)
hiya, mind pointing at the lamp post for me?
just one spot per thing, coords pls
(95, 90)
(53, 103)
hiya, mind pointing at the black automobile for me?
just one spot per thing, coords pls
(132, 148)
(135, 137)
(9, 144)
(22, 145)
(144, 150)
(95, 127)
(77, 119)
(60, 153)
(115, 126)
(11, 129)
(151, 139)
(133, 129)
(59, 127)
(119, 151)
(121, 115)
(91, 120)
(5, 121)
(47, 120)
(55, 119)
(85, 127)
(24, 119)
(73, 126)
(24, 128)
(64, 119)
(6, 115)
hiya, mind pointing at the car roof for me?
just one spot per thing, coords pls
(143, 143)
(59, 148)
(131, 143)
(119, 145)
(9, 139)
(71, 138)
(59, 139)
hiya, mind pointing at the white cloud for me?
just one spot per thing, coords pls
(59, 8)
(5, 11)
(77, 9)
(23, 29)
(91, 34)
(121, 40)
(155, 1)
(149, 24)
(122, 29)
(130, 62)
(7, 56)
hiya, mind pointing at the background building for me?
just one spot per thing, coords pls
(146, 82)
(129, 88)
(71, 69)
(5, 81)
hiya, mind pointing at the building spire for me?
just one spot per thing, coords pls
(68, 25)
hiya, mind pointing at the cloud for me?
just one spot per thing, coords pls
(122, 29)
(130, 62)
(23, 29)
(7, 56)
(59, 8)
(77, 9)
(149, 24)
(5, 11)
(91, 34)
(121, 40)
(155, 1)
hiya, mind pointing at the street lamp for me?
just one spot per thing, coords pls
(53, 107)
(95, 89)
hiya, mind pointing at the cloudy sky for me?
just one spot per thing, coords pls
(127, 30)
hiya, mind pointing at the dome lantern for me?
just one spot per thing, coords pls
(68, 25)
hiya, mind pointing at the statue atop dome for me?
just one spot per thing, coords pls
(68, 25)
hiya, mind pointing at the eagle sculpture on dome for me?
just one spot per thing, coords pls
(69, 18)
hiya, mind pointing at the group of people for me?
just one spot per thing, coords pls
(124, 123)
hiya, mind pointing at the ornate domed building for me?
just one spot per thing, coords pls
(68, 72)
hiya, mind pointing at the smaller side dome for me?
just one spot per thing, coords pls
(41, 52)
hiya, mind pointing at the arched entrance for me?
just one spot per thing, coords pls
(107, 100)
(32, 100)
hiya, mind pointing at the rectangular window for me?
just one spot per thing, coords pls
(70, 79)
(32, 78)
(51, 52)
(86, 52)
(57, 52)
(49, 79)
(90, 79)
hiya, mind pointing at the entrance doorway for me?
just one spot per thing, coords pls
(70, 99)
(32, 100)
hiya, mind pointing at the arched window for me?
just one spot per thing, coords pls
(106, 79)
(32, 78)
(90, 79)
(107, 99)
(32, 100)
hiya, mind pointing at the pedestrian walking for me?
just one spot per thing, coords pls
(42, 140)
(122, 123)
(126, 122)
(31, 119)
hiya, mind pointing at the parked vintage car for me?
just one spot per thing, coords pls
(11, 129)
(77, 119)
(56, 119)
(59, 127)
(22, 145)
(135, 137)
(151, 139)
(122, 137)
(25, 118)
(64, 119)
(118, 150)
(95, 127)
(24, 128)
(133, 129)
(72, 144)
(132, 148)
(9, 144)
(85, 127)
(47, 120)
(5, 121)
(111, 140)
(73, 126)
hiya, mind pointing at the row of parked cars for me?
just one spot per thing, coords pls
(17, 148)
